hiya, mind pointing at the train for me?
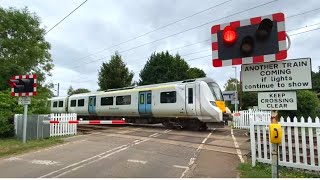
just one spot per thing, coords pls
(193, 103)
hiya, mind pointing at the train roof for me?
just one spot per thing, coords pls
(205, 79)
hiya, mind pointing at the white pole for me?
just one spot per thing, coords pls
(25, 112)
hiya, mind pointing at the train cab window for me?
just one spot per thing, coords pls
(168, 97)
(60, 103)
(190, 95)
(73, 103)
(123, 100)
(80, 102)
(55, 104)
(106, 101)
(149, 98)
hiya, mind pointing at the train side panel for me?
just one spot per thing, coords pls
(79, 104)
(169, 102)
(123, 104)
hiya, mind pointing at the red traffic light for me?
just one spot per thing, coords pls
(229, 35)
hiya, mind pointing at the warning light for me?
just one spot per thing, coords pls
(229, 35)
(264, 29)
(247, 45)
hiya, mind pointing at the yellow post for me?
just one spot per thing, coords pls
(275, 138)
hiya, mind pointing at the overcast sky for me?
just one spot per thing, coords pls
(99, 24)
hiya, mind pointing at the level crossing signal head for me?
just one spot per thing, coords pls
(23, 85)
(255, 40)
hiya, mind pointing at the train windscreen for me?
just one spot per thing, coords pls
(215, 89)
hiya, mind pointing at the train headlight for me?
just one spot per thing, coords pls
(213, 103)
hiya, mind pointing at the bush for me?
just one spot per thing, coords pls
(307, 105)
(6, 127)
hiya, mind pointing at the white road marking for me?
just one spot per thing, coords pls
(100, 157)
(181, 167)
(137, 161)
(103, 157)
(13, 159)
(74, 164)
(35, 161)
(44, 162)
(237, 147)
(193, 159)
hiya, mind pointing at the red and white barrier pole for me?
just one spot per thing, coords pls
(122, 121)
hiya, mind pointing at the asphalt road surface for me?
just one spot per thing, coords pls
(135, 152)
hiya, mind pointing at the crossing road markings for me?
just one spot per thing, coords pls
(96, 158)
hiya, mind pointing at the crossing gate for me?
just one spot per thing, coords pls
(242, 119)
(300, 147)
(62, 127)
(66, 124)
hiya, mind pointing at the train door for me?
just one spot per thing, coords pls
(145, 102)
(92, 105)
(191, 99)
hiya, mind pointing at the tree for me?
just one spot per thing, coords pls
(23, 50)
(315, 76)
(194, 72)
(164, 67)
(23, 46)
(114, 74)
(246, 99)
(308, 104)
(71, 91)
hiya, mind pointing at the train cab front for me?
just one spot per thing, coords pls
(219, 102)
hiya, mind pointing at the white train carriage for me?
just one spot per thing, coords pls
(197, 102)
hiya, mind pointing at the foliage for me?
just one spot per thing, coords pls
(13, 146)
(231, 84)
(114, 74)
(307, 105)
(164, 67)
(23, 48)
(264, 171)
(194, 73)
(9, 106)
(315, 76)
(71, 91)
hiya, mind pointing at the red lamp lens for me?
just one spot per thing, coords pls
(229, 35)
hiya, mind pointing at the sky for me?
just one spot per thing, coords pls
(92, 33)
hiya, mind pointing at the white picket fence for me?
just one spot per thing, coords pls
(63, 129)
(300, 146)
(246, 116)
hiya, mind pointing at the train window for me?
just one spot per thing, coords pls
(55, 104)
(73, 103)
(168, 97)
(149, 98)
(141, 98)
(190, 95)
(60, 103)
(106, 101)
(123, 100)
(80, 102)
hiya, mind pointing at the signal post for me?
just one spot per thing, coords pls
(24, 86)
(255, 43)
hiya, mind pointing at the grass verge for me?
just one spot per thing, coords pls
(264, 171)
(13, 146)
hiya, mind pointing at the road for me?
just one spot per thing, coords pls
(134, 152)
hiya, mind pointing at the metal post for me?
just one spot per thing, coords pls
(274, 153)
(25, 113)
(236, 92)
(275, 161)
(58, 89)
